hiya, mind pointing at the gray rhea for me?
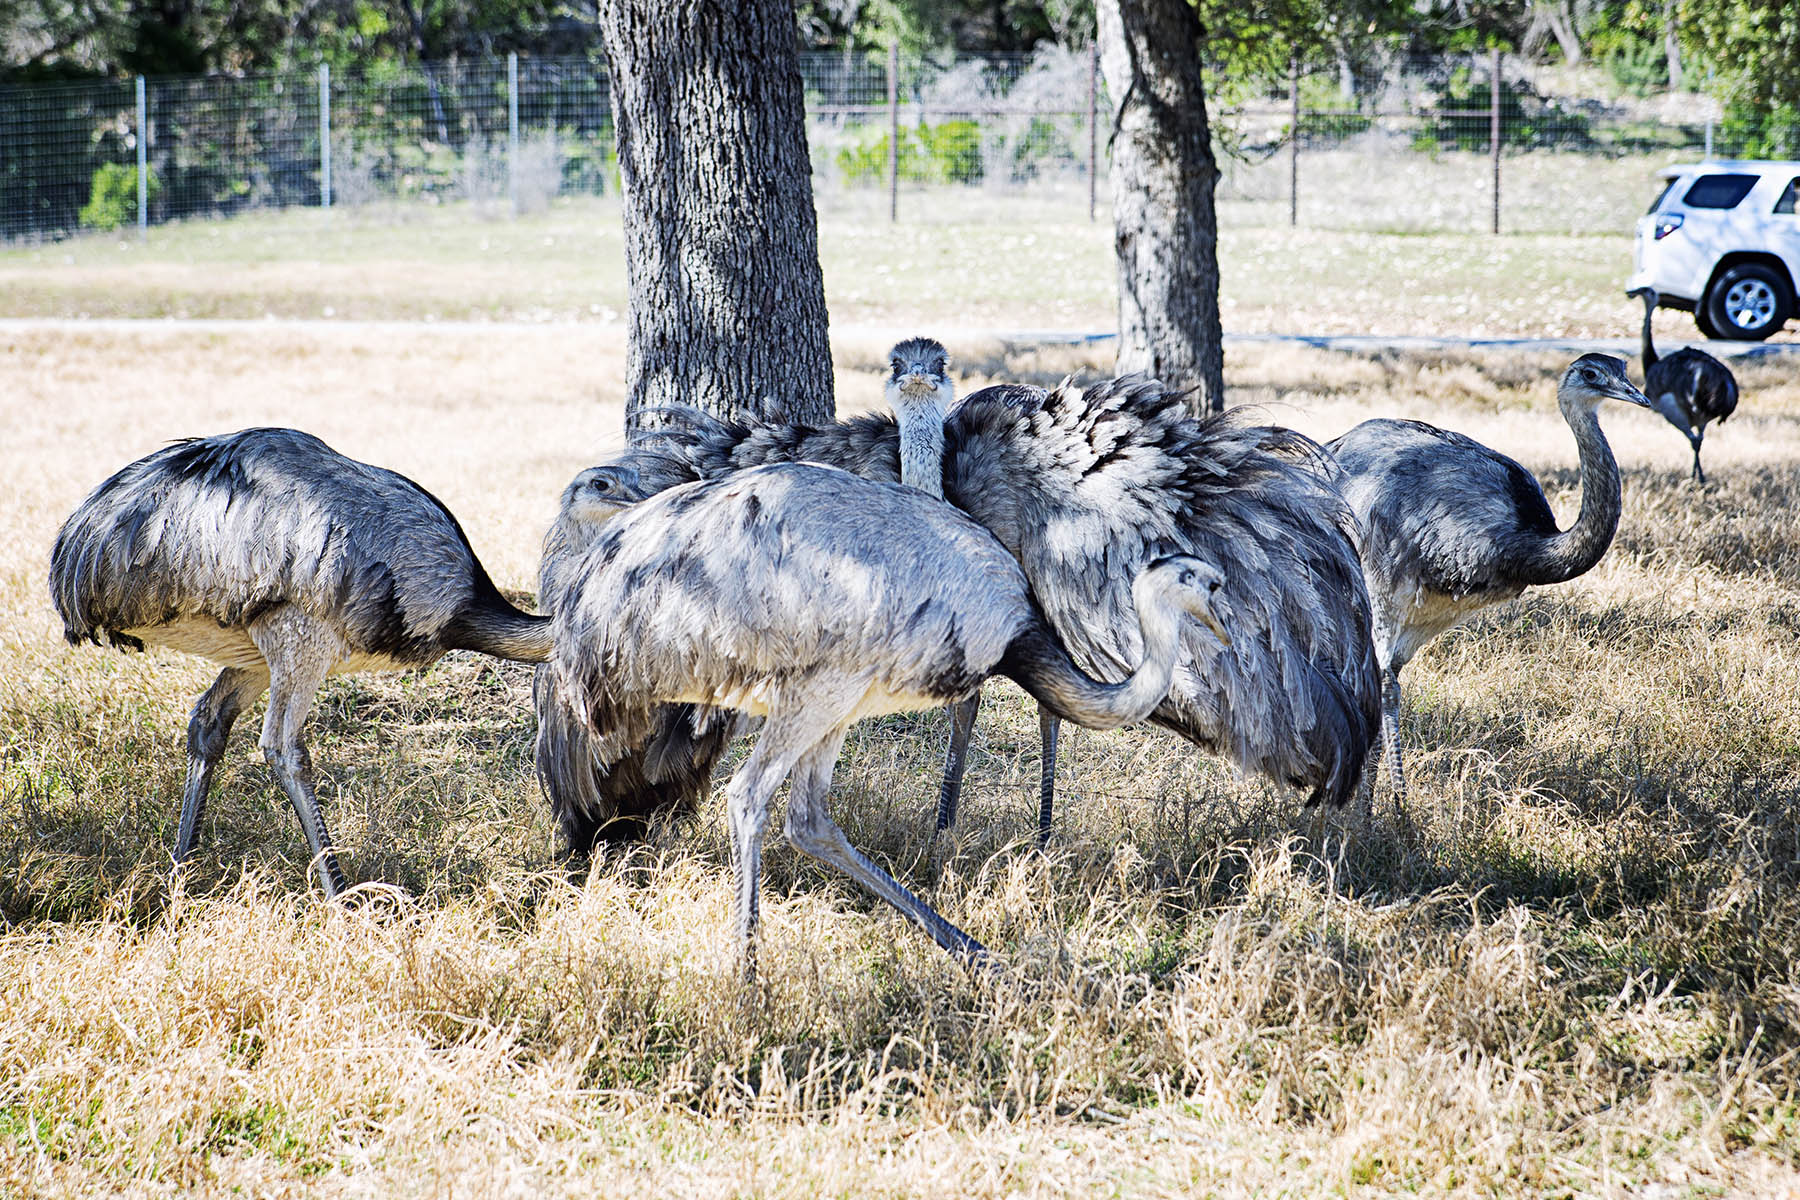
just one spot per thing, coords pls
(286, 562)
(1084, 487)
(814, 598)
(1690, 388)
(612, 802)
(1451, 527)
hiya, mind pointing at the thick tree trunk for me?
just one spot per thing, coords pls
(1165, 230)
(727, 309)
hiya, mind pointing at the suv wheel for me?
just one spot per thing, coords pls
(1749, 302)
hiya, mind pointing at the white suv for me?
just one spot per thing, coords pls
(1722, 241)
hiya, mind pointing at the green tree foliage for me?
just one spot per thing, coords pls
(1753, 46)
(42, 39)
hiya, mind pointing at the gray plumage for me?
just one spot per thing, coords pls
(1690, 388)
(614, 801)
(1451, 527)
(1084, 487)
(814, 598)
(286, 562)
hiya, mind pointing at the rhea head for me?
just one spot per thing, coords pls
(1596, 377)
(600, 493)
(919, 376)
(1193, 584)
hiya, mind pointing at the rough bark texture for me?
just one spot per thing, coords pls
(1165, 230)
(727, 309)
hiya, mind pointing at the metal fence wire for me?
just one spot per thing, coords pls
(1461, 143)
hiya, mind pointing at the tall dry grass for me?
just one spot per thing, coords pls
(1572, 969)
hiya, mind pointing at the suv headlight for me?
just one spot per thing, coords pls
(1666, 225)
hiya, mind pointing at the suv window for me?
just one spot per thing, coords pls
(1718, 191)
(1788, 196)
(1660, 196)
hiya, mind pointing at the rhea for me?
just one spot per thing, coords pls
(1451, 527)
(1084, 487)
(615, 801)
(814, 598)
(1690, 388)
(285, 562)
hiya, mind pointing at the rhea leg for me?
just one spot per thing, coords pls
(1390, 732)
(300, 652)
(1696, 438)
(813, 832)
(231, 693)
(956, 760)
(1048, 727)
(792, 729)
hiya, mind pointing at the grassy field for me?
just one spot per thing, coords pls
(954, 263)
(1576, 970)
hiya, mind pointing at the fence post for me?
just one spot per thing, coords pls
(1093, 123)
(512, 130)
(143, 159)
(894, 130)
(325, 136)
(1494, 130)
(1294, 142)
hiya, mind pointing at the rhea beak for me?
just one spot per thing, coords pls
(1210, 619)
(1626, 391)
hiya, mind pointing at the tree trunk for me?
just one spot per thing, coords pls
(1165, 231)
(1672, 44)
(727, 308)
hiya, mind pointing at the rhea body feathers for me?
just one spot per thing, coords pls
(190, 545)
(285, 562)
(722, 593)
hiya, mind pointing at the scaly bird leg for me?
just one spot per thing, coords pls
(1048, 727)
(813, 832)
(1390, 734)
(300, 652)
(208, 730)
(956, 761)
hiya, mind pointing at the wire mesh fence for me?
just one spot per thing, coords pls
(1462, 144)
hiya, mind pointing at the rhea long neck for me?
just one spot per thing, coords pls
(1649, 349)
(1579, 547)
(1054, 680)
(921, 419)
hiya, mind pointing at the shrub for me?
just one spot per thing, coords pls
(113, 197)
(948, 152)
(1762, 131)
(1461, 116)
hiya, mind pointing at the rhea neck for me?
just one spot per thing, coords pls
(1649, 349)
(1579, 547)
(920, 413)
(1039, 663)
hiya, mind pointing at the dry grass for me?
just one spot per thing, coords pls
(1577, 971)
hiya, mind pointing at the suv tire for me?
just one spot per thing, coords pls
(1749, 302)
(1704, 323)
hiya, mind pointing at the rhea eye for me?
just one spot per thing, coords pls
(1591, 376)
(1187, 576)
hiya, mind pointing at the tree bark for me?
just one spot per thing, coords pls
(727, 303)
(1165, 229)
(1672, 44)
